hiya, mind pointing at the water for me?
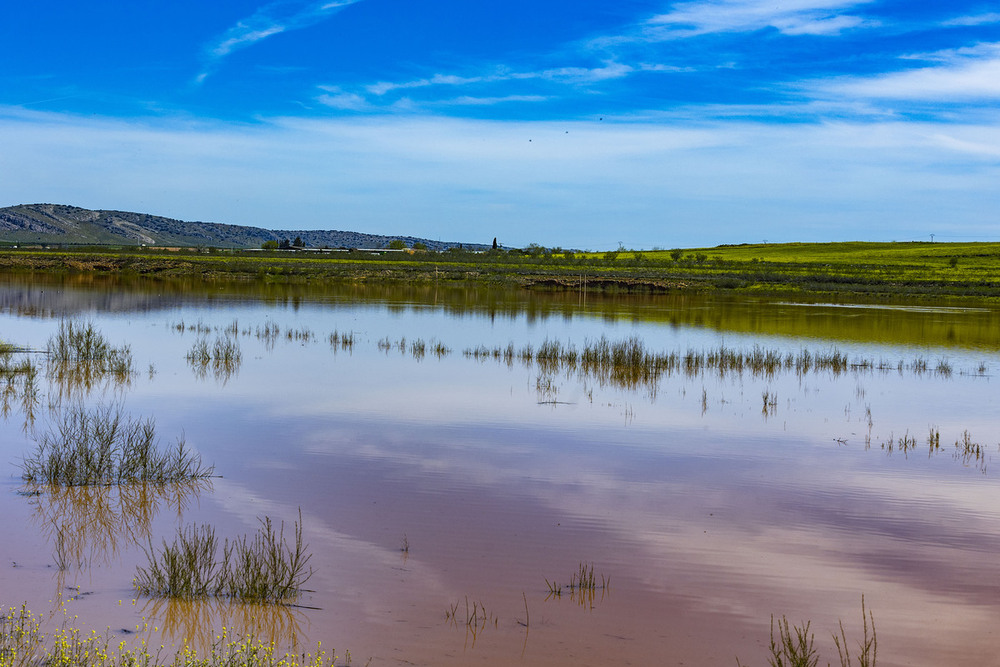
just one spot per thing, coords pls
(707, 507)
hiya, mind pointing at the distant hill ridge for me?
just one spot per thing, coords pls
(61, 224)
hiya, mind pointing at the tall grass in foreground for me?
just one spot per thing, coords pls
(106, 446)
(22, 644)
(266, 568)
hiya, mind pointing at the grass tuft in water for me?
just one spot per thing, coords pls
(107, 446)
(264, 568)
(79, 355)
(795, 647)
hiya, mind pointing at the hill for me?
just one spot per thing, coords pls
(71, 225)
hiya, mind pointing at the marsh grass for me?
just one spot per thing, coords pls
(970, 452)
(343, 341)
(222, 358)
(302, 335)
(268, 333)
(23, 644)
(263, 568)
(585, 582)
(79, 357)
(107, 446)
(629, 364)
(476, 619)
(18, 385)
(795, 646)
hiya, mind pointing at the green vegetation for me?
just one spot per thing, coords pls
(795, 646)
(583, 580)
(79, 345)
(628, 363)
(912, 269)
(264, 569)
(107, 446)
(23, 644)
(223, 357)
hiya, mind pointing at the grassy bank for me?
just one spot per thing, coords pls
(913, 269)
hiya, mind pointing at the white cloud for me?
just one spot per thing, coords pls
(584, 184)
(961, 80)
(338, 99)
(569, 75)
(271, 19)
(794, 17)
(469, 100)
(974, 20)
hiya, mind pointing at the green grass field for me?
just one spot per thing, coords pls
(929, 270)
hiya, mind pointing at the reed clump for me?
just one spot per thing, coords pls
(262, 568)
(105, 445)
(78, 355)
(223, 357)
(584, 579)
(342, 340)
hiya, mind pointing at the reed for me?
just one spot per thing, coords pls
(263, 568)
(628, 363)
(107, 446)
(794, 645)
(344, 341)
(583, 580)
(223, 357)
(79, 354)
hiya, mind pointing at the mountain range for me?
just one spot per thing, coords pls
(70, 225)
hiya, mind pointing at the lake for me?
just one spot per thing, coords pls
(461, 456)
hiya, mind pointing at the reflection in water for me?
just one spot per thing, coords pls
(764, 503)
(19, 388)
(628, 364)
(222, 359)
(80, 358)
(91, 524)
(877, 320)
(74, 381)
(193, 621)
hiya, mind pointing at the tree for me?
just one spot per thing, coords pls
(495, 246)
(298, 242)
(419, 246)
(396, 244)
(269, 245)
(285, 244)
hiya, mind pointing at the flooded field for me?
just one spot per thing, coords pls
(506, 478)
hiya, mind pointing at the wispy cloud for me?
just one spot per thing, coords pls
(336, 98)
(973, 20)
(468, 100)
(569, 75)
(271, 19)
(795, 17)
(962, 75)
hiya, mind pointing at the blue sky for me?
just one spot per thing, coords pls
(580, 124)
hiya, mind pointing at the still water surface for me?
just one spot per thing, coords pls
(707, 506)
